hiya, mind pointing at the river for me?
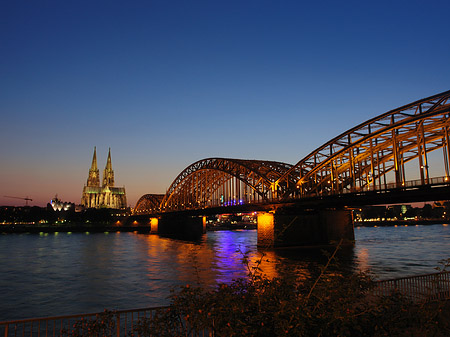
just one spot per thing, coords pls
(50, 274)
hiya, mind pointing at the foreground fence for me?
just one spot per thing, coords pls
(123, 322)
(417, 288)
(114, 323)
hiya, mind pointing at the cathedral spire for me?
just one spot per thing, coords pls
(108, 173)
(108, 162)
(94, 175)
(94, 160)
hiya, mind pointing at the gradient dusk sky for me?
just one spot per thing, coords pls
(167, 83)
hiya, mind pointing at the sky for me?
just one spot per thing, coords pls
(167, 83)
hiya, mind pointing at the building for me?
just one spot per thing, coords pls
(106, 195)
(58, 205)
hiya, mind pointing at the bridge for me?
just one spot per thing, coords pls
(391, 158)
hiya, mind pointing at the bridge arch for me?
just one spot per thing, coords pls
(362, 157)
(215, 182)
(148, 203)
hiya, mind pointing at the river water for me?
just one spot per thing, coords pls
(51, 274)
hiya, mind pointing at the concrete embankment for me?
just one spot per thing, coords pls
(76, 228)
(400, 223)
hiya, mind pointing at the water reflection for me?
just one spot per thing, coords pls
(401, 251)
(45, 275)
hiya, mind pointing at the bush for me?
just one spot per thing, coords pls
(330, 304)
(101, 325)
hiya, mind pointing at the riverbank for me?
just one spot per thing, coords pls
(100, 228)
(423, 222)
(71, 228)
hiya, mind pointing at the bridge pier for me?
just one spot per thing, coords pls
(179, 226)
(154, 222)
(304, 228)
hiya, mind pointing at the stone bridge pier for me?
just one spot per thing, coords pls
(180, 226)
(310, 228)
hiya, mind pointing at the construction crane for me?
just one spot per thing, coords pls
(26, 199)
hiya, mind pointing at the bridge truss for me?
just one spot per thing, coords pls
(363, 157)
(223, 182)
(370, 156)
(149, 203)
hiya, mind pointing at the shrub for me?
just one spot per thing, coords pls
(330, 304)
(101, 325)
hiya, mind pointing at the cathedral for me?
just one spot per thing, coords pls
(105, 196)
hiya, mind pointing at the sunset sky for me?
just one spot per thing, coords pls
(166, 83)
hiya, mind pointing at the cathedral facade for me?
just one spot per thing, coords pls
(106, 195)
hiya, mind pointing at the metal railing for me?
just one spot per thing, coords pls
(417, 288)
(439, 181)
(108, 323)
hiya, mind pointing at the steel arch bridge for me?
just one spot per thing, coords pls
(369, 157)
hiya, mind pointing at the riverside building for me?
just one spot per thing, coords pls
(106, 195)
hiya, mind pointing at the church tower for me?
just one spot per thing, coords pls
(108, 173)
(94, 175)
(107, 195)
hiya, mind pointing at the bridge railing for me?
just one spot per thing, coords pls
(392, 185)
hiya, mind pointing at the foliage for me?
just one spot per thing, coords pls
(444, 265)
(330, 304)
(101, 325)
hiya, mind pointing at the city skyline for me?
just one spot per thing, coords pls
(165, 84)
